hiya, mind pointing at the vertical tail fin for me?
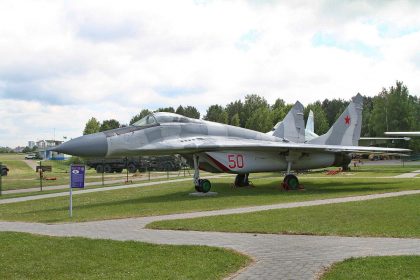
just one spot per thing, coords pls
(346, 130)
(292, 127)
(310, 122)
(310, 127)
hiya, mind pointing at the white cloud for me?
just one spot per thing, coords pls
(65, 61)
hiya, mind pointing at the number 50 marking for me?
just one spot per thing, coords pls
(235, 161)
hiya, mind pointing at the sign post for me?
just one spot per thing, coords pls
(77, 180)
(1, 175)
(41, 175)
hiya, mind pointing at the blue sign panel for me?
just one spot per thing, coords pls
(77, 176)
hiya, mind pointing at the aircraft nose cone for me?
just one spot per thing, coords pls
(91, 145)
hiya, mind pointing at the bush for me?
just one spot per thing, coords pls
(75, 160)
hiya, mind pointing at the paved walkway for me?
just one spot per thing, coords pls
(276, 256)
(412, 174)
(31, 163)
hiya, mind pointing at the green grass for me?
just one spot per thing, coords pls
(26, 256)
(174, 198)
(389, 217)
(21, 176)
(376, 268)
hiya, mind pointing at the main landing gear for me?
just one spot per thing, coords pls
(290, 181)
(241, 180)
(201, 185)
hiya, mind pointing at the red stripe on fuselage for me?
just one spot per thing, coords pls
(219, 164)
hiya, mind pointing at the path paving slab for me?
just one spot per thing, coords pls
(276, 256)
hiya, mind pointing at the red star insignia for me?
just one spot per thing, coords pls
(347, 119)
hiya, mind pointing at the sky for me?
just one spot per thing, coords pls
(63, 62)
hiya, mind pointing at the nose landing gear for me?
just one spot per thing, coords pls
(201, 185)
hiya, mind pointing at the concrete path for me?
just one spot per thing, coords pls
(31, 163)
(412, 174)
(276, 256)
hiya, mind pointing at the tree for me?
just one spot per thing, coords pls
(320, 118)
(260, 120)
(235, 120)
(139, 116)
(252, 103)
(109, 124)
(189, 111)
(216, 113)
(234, 108)
(367, 111)
(333, 109)
(26, 150)
(166, 109)
(192, 112)
(395, 110)
(92, 126)
(279, 110)
(180, 110)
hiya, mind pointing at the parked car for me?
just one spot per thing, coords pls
(31, 156)
(4, 170)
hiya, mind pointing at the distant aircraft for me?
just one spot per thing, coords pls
(216, 147)
(404, 133)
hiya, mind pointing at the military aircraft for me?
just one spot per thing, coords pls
(216, 147)
(404, 133)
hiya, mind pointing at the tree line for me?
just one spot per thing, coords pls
(392, 109)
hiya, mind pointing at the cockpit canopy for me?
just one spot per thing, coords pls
(161, 117)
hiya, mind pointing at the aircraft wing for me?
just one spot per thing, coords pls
(208, 144)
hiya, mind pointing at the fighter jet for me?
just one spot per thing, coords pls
(216, 147)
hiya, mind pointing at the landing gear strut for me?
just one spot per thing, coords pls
(201, 185)
(242, 180)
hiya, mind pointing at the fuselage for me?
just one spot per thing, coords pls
(157, 137)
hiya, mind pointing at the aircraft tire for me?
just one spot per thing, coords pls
(291, 181)
(205, 185)
(241, 180)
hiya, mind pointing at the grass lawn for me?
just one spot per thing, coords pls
(376, 268)
(26, 256)
(21, 176)
(389, 217)
(174, 198)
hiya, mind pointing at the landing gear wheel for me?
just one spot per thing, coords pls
(108, 168)
(204, 186)
(241, 180)
(291, 182)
